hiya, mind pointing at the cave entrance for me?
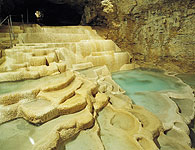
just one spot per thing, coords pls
(52, 14)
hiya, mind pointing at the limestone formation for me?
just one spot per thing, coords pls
(79, 102)
(57, 92)
(47, 52)
(158, 31)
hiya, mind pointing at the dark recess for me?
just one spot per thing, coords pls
(54, 14)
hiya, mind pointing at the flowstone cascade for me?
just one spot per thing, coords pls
(57, 92)
(43, 51)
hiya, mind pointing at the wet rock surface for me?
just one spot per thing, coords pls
(59, 94)
(168, 98)
(73, 119)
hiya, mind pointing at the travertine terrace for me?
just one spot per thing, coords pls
(59, 80)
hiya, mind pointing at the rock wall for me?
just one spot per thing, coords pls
(159, 30)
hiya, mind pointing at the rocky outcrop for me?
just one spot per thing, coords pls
(153, 31)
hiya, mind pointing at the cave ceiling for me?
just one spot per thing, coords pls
(17, 7)
(67, 1)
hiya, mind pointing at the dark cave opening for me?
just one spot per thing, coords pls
(53, 14)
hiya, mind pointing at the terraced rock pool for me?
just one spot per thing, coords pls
(168, 97)
(137, 83)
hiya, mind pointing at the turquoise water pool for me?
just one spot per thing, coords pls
(144, 87)
(142, 80)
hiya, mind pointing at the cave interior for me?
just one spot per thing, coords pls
(54, 14)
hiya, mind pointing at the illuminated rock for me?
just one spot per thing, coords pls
(64, 88)
(66, 105)
(76, 47)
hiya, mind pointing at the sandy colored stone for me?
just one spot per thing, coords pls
(37, 111)
(129, 67)
(37, 61)
(72, 105)
(120, 101)
(187, 108)
(123, 134)
(60, 96)
(146, 118)
(44, 70)
(8, 112)
(18, 75)
(108, 85)
(12, 98)
(82, 66)
(63, 129)
(88, 139)
(51, 57)
(101, 100)
(169, 143)
(60, 82)
(61, 67)
(102, 71)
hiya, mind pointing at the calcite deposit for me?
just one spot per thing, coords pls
(57, 92)
(46, 51)
(167, 97)
(68, 103)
